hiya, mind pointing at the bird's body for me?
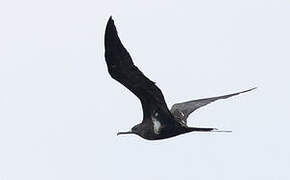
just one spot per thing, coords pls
(159, 127)
(158, 121)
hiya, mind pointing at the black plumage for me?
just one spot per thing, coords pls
(158, 121)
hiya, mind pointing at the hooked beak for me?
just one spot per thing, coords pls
(128, 132)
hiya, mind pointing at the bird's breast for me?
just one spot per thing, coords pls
(156, 125)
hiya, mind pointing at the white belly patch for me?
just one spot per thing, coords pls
(156, 125)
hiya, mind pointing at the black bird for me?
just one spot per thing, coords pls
(158, 121)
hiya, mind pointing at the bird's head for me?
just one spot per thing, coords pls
(134, 130)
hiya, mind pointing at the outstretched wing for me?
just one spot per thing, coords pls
(181, 111)
(122, 69)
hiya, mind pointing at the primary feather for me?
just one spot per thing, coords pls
(122, 69)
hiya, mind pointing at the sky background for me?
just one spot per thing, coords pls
(60, 110)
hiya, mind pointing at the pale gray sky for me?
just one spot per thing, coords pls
(60, 110)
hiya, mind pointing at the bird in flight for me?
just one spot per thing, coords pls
(158, 121)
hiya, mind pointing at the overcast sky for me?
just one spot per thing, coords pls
(60, 110)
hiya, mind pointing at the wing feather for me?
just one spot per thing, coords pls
(181, 111)
(122, 69)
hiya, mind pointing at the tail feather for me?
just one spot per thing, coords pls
(200, 129)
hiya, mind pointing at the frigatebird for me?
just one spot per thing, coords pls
(158, 121)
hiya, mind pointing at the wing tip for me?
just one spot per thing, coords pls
(111, 33)
(110, 23)
(111, 19)
(249, 90)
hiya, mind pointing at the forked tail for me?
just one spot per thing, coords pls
(200, 129)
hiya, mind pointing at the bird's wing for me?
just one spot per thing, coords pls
(181, 111)
(122, 69)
